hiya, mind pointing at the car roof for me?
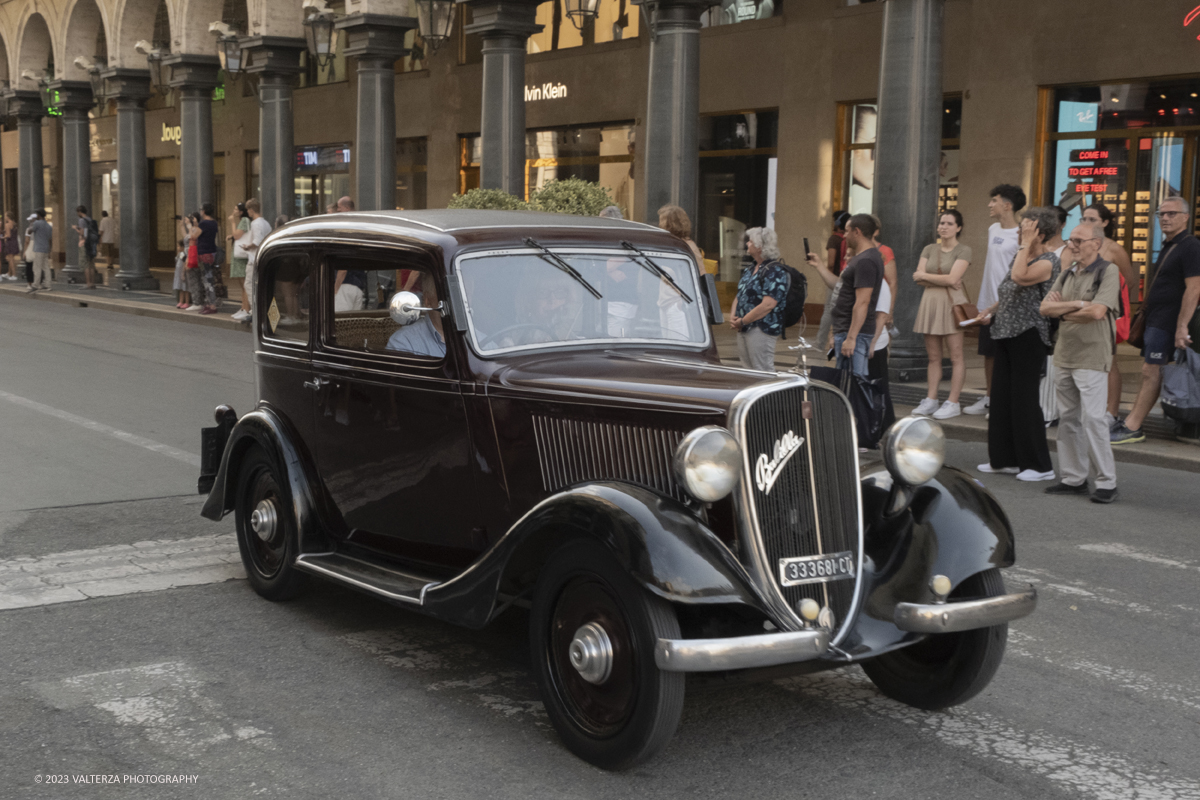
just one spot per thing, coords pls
(453, 220)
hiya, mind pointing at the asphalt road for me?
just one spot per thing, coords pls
(167, 664)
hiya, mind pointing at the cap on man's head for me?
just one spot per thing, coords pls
(31, 218)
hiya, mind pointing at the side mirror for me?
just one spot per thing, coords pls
(405, 308)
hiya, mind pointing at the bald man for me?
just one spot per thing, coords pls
(345, 204)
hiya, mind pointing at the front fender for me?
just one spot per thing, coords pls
(660, 541)
(953, 526)
(269, 430)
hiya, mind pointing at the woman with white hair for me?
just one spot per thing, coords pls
(757, 313)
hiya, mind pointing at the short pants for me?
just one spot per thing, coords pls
(1158, 345)
(987, 348)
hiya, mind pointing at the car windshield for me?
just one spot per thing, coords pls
(523, 299)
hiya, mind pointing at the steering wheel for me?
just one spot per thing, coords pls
(520, 326)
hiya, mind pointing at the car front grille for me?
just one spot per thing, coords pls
(812, 507)
(575, 451)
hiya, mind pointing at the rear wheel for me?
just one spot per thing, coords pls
(945, 669)
(266, 528)
(592, 632)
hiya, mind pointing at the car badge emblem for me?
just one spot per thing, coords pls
(767, 469)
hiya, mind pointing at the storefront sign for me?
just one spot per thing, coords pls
(171, 134)
(323, 158)
(547, 91)
(1116, 172)
(1091, 188)
(1089, 155)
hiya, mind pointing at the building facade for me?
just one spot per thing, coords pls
(1076, 102)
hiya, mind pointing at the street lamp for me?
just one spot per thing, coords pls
(582, 11)
(229, 48)
(435, 18)
(154, 56)
(318, 30)
(93, 72)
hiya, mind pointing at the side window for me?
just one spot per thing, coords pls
(362, 289)
(286, 286)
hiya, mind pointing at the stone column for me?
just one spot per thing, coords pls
(672, 143)
(194, 76)
(907, 157)
(131, 88)
(276, 62)
(504, 26)
(74, 99)
(26, 106)
(376, 41)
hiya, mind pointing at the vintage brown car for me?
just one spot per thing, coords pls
(462, 411)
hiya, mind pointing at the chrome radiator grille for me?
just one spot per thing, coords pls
(812, 507)
(574, 451)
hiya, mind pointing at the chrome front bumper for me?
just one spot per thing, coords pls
(740, 652)
(965, 616)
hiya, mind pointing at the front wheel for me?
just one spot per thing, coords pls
(945, 669)
(266, 528)
(592, 633)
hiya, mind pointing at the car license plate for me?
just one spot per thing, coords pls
(816, 569)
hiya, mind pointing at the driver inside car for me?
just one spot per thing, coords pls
(425, 337)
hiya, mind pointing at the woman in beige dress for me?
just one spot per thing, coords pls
(941, 271)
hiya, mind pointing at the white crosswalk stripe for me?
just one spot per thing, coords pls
(119, 569)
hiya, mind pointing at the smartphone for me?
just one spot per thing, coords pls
(807, 252)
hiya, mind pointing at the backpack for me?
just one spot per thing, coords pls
(797, 294)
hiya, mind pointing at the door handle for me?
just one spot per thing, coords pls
(315, 384)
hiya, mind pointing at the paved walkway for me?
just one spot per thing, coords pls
(1160, 448)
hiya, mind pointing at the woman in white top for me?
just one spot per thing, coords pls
(877, 366)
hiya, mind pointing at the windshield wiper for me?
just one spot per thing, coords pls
(655, 268)
(564, 266)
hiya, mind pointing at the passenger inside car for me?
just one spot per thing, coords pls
(424, 337)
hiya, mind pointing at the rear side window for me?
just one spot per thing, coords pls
(361, 291)
(286, 286)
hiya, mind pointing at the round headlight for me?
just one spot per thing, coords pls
(914, 450)
(708, 462)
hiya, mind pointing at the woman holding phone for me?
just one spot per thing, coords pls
(941, 271)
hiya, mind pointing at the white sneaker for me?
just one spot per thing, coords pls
(1000, 471)
(947, 411)
(193, 308)
(979, 407)
(240, 315)
(925, 408)
(1034, 475)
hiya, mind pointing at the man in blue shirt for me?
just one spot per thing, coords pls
(424, 337)
(757, 313)
(42, 234)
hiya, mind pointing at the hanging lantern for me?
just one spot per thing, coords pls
(581, 12)
(318, 30)
(159, 76)
(435, 19)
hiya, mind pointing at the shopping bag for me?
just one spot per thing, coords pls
(867, 399)
(1181, 387)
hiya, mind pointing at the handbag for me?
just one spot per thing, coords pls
(963, 311)
(1137, 329)
(29, 252)
(867, 399)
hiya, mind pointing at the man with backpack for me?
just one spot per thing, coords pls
(89, 238)
(757, 313)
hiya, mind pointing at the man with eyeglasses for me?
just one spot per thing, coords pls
(1085, 298)
(1169, 307)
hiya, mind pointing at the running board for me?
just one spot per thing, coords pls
(388, 583)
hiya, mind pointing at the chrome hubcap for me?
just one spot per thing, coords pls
(264, 519)
(591, 653)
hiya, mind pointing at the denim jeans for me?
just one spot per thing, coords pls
(858, 365)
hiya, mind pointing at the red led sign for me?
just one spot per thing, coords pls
(1089, 155)
(1096, 172)
(1091, 188)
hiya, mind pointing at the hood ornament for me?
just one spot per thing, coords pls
(801, 367)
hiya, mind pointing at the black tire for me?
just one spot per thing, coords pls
(945, 669)
(631, 715)
(270, 558)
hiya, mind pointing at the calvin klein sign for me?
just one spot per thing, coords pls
(547, 91)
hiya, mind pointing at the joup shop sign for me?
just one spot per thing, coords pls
(171, 133)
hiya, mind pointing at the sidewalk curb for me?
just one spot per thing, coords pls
(134, 307)
(1168, 454)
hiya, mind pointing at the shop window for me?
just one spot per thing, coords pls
(737, 178)
(322, 176)
(285, 296)
(417, 54)
(1129, 146)
(602, 155)
(411, 162)
(729, 12)
(854, 186)
(615, 20)
(254, 174)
